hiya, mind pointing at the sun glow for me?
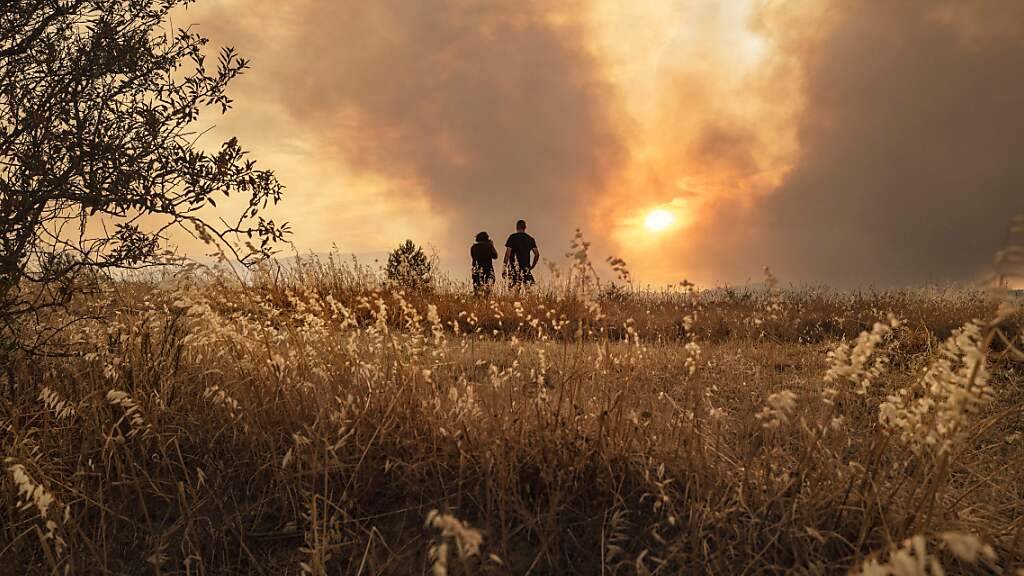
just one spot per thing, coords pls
(659, 220)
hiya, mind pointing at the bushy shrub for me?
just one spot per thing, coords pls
(409, 267)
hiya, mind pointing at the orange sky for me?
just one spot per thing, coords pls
(770, 133)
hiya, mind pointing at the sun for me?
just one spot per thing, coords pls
(659, 220)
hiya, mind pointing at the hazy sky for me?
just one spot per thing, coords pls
(841, 142)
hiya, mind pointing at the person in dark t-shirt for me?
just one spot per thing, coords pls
(483, 255)
(518, 249)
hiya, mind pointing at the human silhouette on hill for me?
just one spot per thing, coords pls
(518, 264)
(483, 255)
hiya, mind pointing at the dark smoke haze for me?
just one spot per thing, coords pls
(495, 111)
(909, 129)
(910, 162)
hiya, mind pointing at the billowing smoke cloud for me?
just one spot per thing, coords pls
(909, 136)
(493, 111)
(855, 143)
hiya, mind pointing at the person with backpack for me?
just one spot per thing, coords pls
(483, 255)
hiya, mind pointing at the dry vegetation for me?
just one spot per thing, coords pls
(314, 421)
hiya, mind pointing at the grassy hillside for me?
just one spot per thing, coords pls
(316, 421)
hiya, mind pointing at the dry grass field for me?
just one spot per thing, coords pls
(315, 421)
(168, 412)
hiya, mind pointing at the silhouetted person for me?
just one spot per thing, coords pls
(518, 249)
(483, 255)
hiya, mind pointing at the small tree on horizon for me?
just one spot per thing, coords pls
(409, 267)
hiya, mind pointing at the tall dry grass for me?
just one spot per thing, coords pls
(313, 420)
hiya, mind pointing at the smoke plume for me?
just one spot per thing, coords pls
(493, 111)
(849, 143)
(908, 166)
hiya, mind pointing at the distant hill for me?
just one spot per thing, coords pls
(371, 259)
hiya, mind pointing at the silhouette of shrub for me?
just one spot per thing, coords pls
(409, 267)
